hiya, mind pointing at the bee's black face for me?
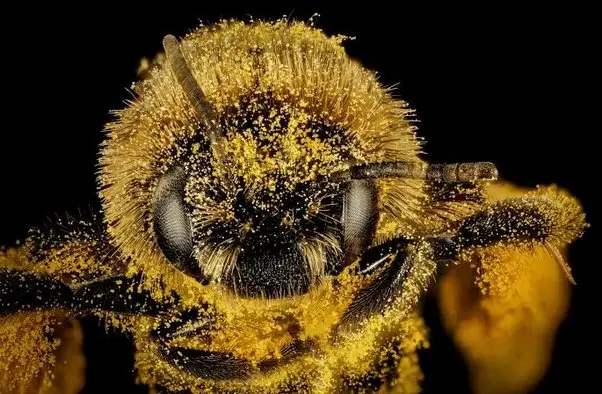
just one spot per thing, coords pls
(287, 240)
(271, 245)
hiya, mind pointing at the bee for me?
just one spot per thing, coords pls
(268, 224)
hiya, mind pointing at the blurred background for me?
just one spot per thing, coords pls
(509, 85)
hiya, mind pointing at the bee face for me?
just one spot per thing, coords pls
(259, 223)
(264, 220)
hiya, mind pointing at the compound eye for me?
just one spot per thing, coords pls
(171, 222)
(360, 216)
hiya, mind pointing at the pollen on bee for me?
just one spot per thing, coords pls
(246, 227)
(294, 109)
(287, 220)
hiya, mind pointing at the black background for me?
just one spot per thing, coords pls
(509, 85)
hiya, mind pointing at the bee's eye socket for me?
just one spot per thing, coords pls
(171, 221)
(360, 216)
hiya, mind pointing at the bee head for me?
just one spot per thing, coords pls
(259, 214)
(232, 163)
(249, 204)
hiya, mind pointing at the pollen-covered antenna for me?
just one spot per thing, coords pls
(456, 172)
(191, 88)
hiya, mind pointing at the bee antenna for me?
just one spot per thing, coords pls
(456, 172)
(192, 90)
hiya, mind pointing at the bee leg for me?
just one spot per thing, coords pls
(549, 219)
(390, 263)
(24, 291)
(120, 294)
(205, 364)
(546, 217)
(202, 364)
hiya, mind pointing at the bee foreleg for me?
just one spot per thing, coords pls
(120, 294)
(22, 290)
(203, 364)
(546, 217)
(206, 364)
(25, 291)
(390, 263)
